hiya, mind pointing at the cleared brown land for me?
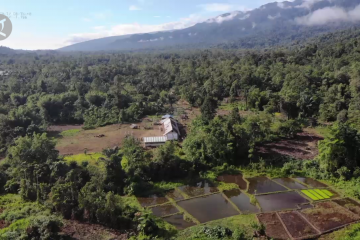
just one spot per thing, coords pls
(86, 231)
(114, 136)
(297, 226)
(349, 204)
(326, 216)
(274, 228)
(303, 146)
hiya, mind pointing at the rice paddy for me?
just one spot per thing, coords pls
(307, 211)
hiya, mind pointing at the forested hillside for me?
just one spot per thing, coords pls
(314, 82)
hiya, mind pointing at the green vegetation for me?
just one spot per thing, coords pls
(237, 225)
(285, 90)
(70, 133)
(92, 159)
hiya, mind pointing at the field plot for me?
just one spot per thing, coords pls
(237, 179)
(297, 226)
(173, 194)
(326, 216)
(349, 204)
(208, 208)
(258, 185)
(274, 228)
(199, 188)
(152, 200)
(87, 139)
(311, 182)
(280, 201)
(164, 210)
(319, 194)
(178, 221)
(241, 200)
(289, 183)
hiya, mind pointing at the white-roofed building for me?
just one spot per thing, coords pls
(154, 141)
(171, 132)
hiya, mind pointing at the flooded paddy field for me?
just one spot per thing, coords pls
(326, 216)
(208, 208)
(297, 226)
(237, 179)
(289, 183)
(199, 188)
(349, 204)
(311, 182)
(178, 221)
(152, 200)
(174, 194)
(242, 201)
(280, 201)
(258, 185)
(274, 227)
(164, 210)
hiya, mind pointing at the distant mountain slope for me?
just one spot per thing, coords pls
(93, 45)
(265, 26)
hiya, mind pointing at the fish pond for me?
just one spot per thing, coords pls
(289, 183)
(152, 200)
(311, 182)
(237, 179)
(242, 201)
(164, 210)
(199, 188)
(259, 185)
(208, 208)
(178, 220)
(280, 201)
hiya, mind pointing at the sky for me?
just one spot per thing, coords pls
(40, 24)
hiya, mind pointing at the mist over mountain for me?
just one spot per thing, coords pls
(270, 24)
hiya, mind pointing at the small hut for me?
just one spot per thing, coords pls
(134, 126)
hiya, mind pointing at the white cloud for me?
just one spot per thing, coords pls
(124, 29)
(283, 5)
(274, 17)
(134, 8)
(253, 25)
(86, 19)
(221, 19)
(157, 16)
(330, 15)
(308, 4)
(244, 17)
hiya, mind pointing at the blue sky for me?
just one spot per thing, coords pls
(56, 23)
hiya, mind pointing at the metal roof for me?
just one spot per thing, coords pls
(170, 125)
(167, 116)
(154, 139)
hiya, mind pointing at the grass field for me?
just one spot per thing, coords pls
(244, 222)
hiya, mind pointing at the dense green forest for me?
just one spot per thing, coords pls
(309, 84)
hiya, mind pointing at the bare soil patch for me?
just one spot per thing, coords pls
(349, 204)
(87, 231)
(327, 216)
(113, 136)
(274, 227)
(303, 146)
(297, 225)
(3, 224)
